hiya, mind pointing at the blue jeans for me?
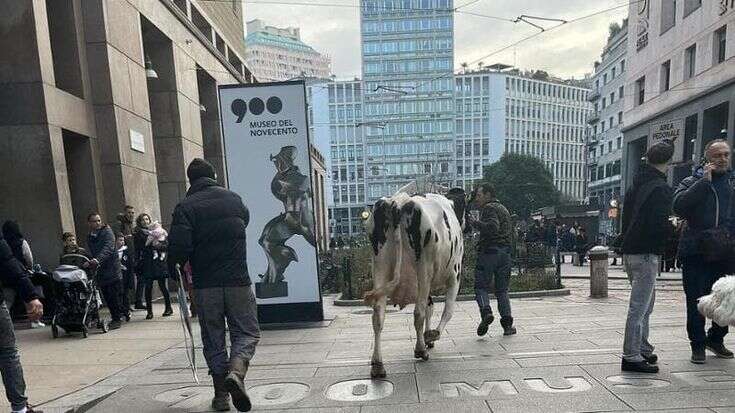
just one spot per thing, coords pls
(237, 305)
(10, 368)
(642, 270)
(493, 273)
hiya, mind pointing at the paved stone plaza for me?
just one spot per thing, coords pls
(565, 358)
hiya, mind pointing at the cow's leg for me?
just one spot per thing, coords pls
(419, 313)
(427, 326)
(378, 370)
(452, 290)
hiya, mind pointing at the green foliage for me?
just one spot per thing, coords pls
(522, 183)
(532, 270)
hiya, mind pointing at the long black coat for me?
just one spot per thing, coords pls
(208, 230)
(651, 231)
(13, 275)
(146, 266)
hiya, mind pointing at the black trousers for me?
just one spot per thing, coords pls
(149, 293)
(112, 295)
(698, 277)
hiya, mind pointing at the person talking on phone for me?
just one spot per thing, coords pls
(705, 200)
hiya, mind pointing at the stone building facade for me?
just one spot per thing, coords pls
(103, 103)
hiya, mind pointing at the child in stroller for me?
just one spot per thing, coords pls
(78, 301)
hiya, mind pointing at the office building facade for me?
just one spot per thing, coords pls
(274, 54)
(605, 138)
(680, 79)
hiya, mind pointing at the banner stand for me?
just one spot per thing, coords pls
(267, 156)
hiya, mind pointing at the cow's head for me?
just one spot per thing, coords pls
(384, 218)
(459, 197)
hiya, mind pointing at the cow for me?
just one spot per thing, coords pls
(418, 245)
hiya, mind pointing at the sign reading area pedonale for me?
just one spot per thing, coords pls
(671, 130)
(266, 141)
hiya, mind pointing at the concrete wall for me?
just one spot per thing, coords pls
(43, 127)
(227, 16)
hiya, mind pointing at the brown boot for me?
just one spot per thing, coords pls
(221, 400)
(236, 386)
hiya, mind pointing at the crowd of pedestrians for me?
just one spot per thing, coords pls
(207, 243)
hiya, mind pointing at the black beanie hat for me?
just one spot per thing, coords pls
(199, 168)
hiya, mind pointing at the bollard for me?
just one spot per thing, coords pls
(598, 271)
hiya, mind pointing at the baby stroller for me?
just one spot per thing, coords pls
(77, 298)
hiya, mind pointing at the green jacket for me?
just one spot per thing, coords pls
(494, 225)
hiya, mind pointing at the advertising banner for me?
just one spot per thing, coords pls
(266, 141)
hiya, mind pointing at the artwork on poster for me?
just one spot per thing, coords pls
(266, 143)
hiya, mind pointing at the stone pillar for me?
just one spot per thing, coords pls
(598, 272)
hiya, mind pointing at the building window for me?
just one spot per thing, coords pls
(613, 73)
(640, 91)
(720, 46)
(612, 98)
(690, 6)
(690, 62)
(604, 102)
(604, 79)
(668, 15)
(622, 66)
(620, 117)
(621, 92)
(666, 76)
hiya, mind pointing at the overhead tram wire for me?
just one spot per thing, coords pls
(527, 38)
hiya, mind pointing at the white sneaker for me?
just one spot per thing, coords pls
(37, 324)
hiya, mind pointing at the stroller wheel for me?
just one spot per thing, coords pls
(54, 331)
(85, 332)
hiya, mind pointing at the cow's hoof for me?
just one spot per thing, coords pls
(423, 354)
(430, 336)
(377, 371)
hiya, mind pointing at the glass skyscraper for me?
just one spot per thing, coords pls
(407, 64)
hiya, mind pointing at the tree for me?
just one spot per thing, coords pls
(464, 65)
(522, 183)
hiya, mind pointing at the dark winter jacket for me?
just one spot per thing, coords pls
(102, 248)
(208, 230)
(652, 228)
(146, 266)
(695, 200)
(13, 275)
(494, 225)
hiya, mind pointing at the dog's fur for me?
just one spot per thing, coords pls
(720, 305)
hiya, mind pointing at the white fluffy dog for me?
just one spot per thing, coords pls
(720, 305)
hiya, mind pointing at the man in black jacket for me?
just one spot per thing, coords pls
(13, 274)
(208, 230)
(705, 201)
(645, 227)
(101, 243)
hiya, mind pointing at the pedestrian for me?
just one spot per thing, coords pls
(704, 200)
(70, 246)
(493, 259)
(550, 239)
(208, 231)
(151, 264)
(581, 245)
(22, 252)
(126, 267)
(126, 225)
(13, 273)
(645, 228)
(101, 243)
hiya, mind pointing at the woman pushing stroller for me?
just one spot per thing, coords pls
(151, 244)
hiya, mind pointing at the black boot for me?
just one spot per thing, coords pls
(638, 366)
(236, 386)
(486, 314)
(698, 354)
(719, 349)
(221, 400)
(507, 323)
(168, 311)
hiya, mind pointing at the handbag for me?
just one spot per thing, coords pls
(716, 243)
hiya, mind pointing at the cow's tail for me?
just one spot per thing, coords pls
(372, 296)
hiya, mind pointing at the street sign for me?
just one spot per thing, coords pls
(266, 141)
(671, 130)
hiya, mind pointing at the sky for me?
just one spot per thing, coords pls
(568, 51)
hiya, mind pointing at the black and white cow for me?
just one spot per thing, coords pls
(417, 246)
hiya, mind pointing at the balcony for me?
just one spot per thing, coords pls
(594, 118)
(593, 95)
